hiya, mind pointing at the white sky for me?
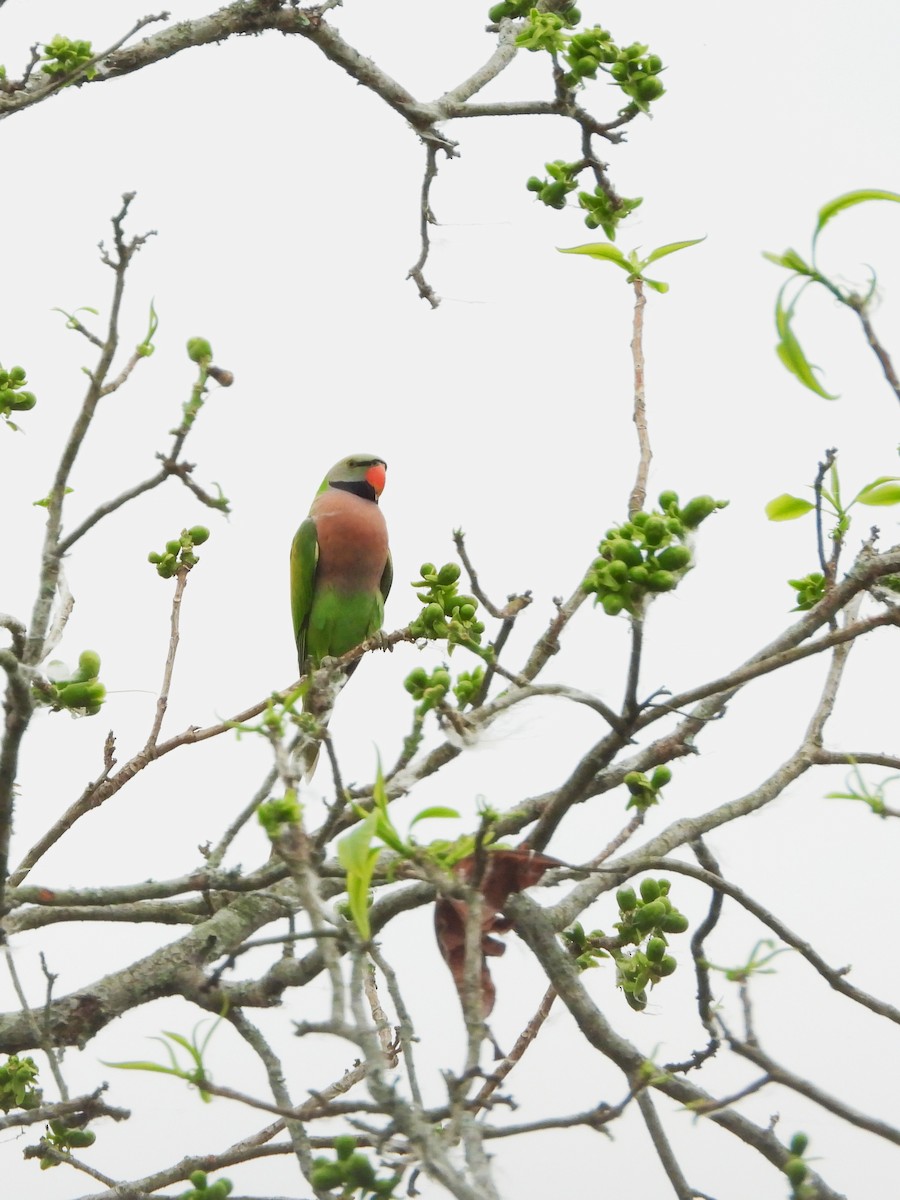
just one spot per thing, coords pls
(286, 200)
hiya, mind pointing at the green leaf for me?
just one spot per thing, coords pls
(143, 1066)
(599, 250)
(656, 284)
(787, 508)
(436, 811)
(671, 248)
(847, 201)
(358, 857)
(790, 351)
(179, 1039)
(355, 851)
(884, 491)
(790, 259)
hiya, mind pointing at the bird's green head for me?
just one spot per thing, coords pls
(363, 474)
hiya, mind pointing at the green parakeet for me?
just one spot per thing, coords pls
(341, 568)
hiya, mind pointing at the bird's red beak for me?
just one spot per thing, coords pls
(376, 477)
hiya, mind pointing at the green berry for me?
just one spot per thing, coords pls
(449, 573)
(799, 1142)
(796, 1170)
(81, 694)
(668, 500)
(344, 1146)
(674, 558)
(88, 664)
(667, 965)
(626, 552)
(359, 1171)
(649, 889)
(674, 922)
(656, 949)
(326, 1177)
(698, 510)
(647, 917)
(199, 350)
(661, 581)
(626, 899)
(648, 89)
(199, 534)
(80, 1138)
(613, 603)
(654, 531)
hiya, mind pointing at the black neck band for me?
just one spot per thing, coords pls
(363, 489)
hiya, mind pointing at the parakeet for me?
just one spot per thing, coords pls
(341, 569)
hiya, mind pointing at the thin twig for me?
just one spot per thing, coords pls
(880, 353)
(523, 1041)
(426, 217)
(666, 1155)
(639, 491)
(181, 578)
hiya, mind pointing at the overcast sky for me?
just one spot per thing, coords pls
(285, 199)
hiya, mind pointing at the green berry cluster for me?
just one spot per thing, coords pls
(645, 791)
(427, 690)
(631, 67)
(445, 614)
(64, 1140)
(796, 1169)
(204, 1190)
(62, 56)
(647, 554)
(13, 397)
(562, 179)
(82, 692)
(810, 590)
(585, 53)
(637, 74)
(569, 14)
(430, 690)
(468, 685)
(649, 916)
(605, 212)
(583, 946)
(179, 552)
(352, 1172)
(277, 812)
(17, 1079)
(544, 30)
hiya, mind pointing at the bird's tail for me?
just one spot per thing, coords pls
(318, 702)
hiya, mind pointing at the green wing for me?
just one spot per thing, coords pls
(304, 559)
(387, 577)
